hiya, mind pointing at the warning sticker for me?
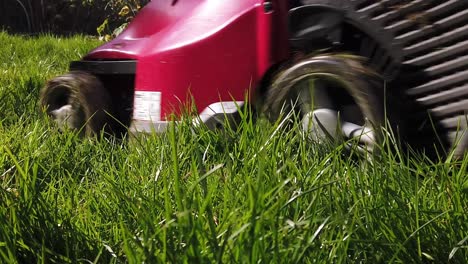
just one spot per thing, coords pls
(147, 106)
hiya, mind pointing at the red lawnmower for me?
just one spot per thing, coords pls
(344, 66)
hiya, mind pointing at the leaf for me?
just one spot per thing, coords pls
(102, 27)
(119, 30)
(124, 11)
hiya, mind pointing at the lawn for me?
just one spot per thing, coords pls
(258, 193)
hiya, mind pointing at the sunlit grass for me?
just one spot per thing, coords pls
(260, 193)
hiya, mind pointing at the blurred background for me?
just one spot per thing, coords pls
(65, 17)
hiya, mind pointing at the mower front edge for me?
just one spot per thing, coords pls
(104, 67)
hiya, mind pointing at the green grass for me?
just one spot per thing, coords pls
(261, 193)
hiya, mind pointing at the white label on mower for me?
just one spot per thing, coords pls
(147, 106)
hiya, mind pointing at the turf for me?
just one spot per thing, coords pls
(258, 193)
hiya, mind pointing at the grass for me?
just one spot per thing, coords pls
(260, 193)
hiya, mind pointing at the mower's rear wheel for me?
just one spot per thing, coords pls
(335, 95)
(77, 100)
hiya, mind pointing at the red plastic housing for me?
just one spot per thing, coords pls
(210, 49)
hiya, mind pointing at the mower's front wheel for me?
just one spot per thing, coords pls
(335, 95)
(77, 100)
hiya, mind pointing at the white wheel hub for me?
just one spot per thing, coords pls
(65, 116)
(325, 124)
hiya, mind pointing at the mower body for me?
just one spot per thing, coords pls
(212, 55)
(199, 54)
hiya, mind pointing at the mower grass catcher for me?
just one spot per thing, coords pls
(348, 68)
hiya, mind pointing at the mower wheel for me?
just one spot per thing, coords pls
(334, 95)
(77, 100)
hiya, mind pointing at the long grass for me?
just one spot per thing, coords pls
(258, 193)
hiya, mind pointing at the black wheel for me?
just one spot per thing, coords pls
(77, 100)
(335, 95)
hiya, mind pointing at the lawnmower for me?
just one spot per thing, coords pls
(346, 68)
